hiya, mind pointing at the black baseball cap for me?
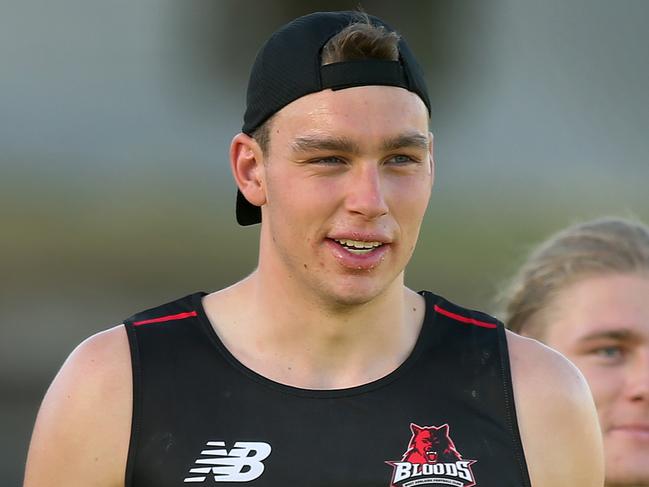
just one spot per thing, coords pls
(288, 67)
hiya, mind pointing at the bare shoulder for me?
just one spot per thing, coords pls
(86, 414)
(544, 370)
(556, 417)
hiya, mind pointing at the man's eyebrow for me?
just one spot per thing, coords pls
(309, 143)
(622, 334)
(415, 139)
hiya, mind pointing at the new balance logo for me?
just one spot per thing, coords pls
(241, 464)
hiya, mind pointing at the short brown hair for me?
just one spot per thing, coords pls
(359, 40)
(599, 247)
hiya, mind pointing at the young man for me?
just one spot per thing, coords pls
(321, 367)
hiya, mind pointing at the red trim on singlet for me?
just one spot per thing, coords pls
(464, 319)
(179, 316)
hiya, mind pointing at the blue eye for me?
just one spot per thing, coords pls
(401, 159)
(328, 160)
(609, 352)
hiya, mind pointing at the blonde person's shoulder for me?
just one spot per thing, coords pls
(556, 417)
(82, 431)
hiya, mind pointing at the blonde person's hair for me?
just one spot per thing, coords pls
(599, 247)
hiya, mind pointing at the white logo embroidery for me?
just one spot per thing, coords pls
(242, 463)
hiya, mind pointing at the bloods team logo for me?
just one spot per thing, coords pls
(431, 459)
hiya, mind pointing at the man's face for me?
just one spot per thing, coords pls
(347, 178)
(602, 325)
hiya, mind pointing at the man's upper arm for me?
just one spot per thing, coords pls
(557, 418)
(82, 430)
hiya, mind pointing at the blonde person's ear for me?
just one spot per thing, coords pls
(246, 162)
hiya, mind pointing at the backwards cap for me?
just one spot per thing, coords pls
(288, 67)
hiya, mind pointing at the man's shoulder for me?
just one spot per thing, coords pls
(458, 313)
(182, 307)
(539, 368)
(86, 413)
(99, 362)
(556, 416)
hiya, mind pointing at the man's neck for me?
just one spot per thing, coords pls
(287, 337)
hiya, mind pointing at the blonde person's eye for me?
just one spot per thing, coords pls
(610, 352)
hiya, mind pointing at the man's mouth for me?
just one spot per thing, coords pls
(432, 456)
(358, 247)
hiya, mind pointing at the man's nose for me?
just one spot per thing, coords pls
(638, 380)
(366, 192)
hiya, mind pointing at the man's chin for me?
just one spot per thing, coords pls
(352, 297)
(354, 290)
(352, 300)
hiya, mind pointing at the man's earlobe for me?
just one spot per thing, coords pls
(246, 162)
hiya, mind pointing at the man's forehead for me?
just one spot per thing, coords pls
(361, 98)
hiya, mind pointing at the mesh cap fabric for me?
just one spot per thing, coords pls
(288, 67)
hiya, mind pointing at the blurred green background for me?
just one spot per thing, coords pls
(115, 120)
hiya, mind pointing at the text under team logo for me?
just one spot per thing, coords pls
(432, 460)
(242, 463)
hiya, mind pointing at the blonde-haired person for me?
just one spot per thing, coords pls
(585, 293)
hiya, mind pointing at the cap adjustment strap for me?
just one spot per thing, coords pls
(365, 72)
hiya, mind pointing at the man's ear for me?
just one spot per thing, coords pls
(247, 164)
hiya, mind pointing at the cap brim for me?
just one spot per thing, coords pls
(247, 213)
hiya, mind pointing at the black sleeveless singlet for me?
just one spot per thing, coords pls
(445, 417)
